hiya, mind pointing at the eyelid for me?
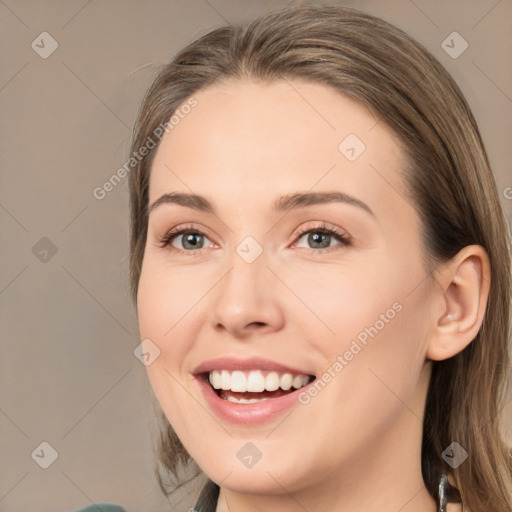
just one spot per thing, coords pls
(323, 226)
(344, 238)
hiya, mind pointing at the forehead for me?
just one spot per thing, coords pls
(247, 140)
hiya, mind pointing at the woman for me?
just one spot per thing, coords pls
(320, 265)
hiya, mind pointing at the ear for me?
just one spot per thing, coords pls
(460, 299)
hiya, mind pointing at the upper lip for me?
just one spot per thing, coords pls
(252, 363)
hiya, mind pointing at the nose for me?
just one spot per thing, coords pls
(245, 301)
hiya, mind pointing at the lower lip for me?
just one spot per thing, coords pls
(257, 412)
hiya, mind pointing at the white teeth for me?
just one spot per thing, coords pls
(215, 379)
(244, 401)
(286, 381)
(299, 381)
(255, 381)
(238, 382)
(225, 380)
(272, 381)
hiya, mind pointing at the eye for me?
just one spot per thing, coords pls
(191, 239)
(320, 237)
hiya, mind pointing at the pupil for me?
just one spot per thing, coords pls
(314, 237)
(189, 239)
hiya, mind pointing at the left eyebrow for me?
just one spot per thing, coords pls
(282, 204)
(299, 200)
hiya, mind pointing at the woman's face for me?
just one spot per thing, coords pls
(257, 293)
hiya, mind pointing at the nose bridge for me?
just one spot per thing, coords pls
(245, 296)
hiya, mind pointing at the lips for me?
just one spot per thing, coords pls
(250, 390)
(253, 363)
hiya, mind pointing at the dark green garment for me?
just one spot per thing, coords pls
(102, 507)
(207, 501)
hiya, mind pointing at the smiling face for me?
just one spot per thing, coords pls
(258, 282)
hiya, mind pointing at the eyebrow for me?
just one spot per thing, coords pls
(282, 204)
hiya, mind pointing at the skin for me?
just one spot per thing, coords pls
(356, 445)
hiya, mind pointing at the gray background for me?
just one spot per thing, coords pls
(68, 373)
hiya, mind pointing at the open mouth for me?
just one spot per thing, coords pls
(248, 387)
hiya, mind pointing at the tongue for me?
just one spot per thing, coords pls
(248, 395)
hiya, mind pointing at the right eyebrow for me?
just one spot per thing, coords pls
(193, 201)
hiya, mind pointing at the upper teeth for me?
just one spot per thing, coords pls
(255, 381)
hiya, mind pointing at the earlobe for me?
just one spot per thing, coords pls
(462, 293)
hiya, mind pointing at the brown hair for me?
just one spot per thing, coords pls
(449, 180)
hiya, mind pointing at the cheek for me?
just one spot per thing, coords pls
(342, 298)
(374, 310)
(165, 299)
(170, 305)
(159, 310)
(381, 337)
(374, 363)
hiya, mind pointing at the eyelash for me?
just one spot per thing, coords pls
(343, 238)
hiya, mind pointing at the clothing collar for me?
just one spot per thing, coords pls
(207, 501)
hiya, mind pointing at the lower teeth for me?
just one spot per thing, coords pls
(244, 400)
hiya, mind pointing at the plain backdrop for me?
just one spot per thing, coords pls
(68, 373)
